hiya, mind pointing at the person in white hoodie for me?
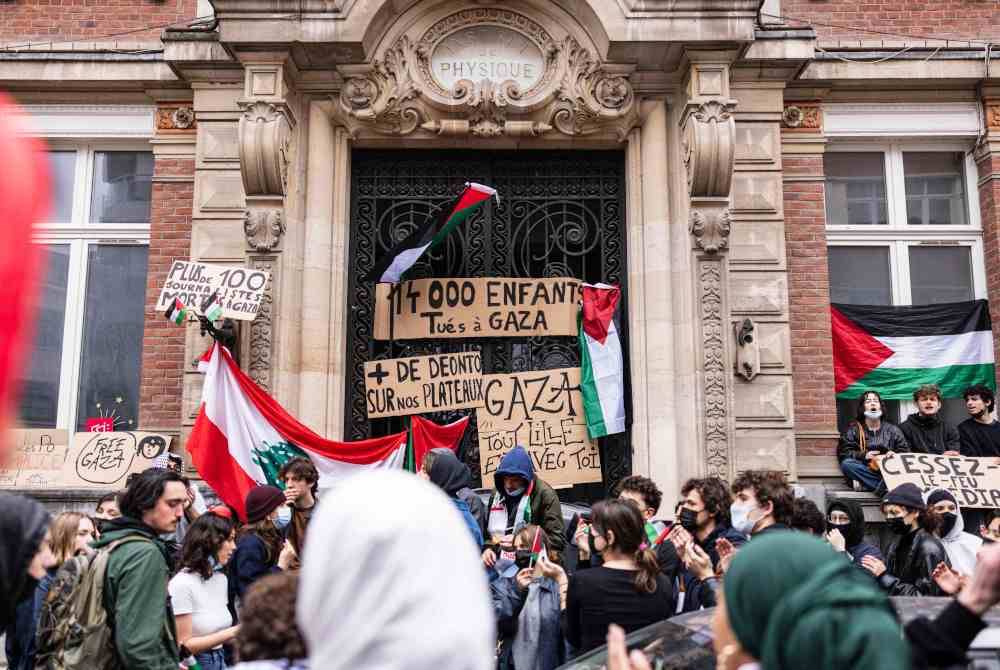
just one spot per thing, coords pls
(391, 579)
(960, 546)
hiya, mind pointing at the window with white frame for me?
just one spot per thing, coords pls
(903, 229)
(86, 358)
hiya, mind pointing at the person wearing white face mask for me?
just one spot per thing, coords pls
(866, 438)
(261, 548)
(762, 502)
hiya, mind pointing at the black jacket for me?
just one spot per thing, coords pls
(887, 438)
(929, 434)
(910, 574)
(23, 523)
(944, 641)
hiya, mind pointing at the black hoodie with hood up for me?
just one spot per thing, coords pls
(23, 522)
(451, 476)
(854, 535)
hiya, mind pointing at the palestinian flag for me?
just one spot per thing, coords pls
(391, 267)
(177, 312)
(242, 437)
(537, 548)
(893, 350)
(425, 435)
(212, 307)
(602, 378)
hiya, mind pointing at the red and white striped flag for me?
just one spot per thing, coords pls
(242, 437)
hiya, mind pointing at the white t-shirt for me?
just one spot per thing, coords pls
(205, 601)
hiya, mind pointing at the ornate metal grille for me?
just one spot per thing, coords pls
(561, 213)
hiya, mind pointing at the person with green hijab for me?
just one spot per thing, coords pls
(790, 601)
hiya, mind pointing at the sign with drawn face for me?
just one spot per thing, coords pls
(105, 460)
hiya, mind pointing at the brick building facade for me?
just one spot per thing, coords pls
(770, 154)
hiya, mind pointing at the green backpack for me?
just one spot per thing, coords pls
(73, 628)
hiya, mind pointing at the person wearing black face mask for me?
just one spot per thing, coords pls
(845, 523)
(962, 547)
(703, 520)
(916, 551)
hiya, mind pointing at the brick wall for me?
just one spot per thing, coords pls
(163, 361)
(59, 20)
(989, 211)
(970, 19)
(809, 302)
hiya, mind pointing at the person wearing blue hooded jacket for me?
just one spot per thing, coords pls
(520, 498)
(451, 476)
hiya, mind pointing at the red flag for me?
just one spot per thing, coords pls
(599, 304)
(24, 202)
(428, 435)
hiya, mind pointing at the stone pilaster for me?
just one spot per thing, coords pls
(708, 134)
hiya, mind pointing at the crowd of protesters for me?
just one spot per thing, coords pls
(403, 572)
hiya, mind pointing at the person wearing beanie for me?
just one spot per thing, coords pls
(962, 547)
(915, 552)
(261, 548)
(810, 609)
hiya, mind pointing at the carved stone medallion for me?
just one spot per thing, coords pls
(263, 229)
(488, 72)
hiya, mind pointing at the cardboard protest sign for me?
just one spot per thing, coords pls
(401, 386)
(543, 412)
(37, 458)
(104, 460)
(479, 307)
(240, 289)
(975, 482)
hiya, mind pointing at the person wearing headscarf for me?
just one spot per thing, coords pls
(915, 551)
(848, 520)
(960, 546)
(385, 590)
(451, 476)
(789, 602)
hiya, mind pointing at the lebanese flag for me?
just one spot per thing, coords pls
(242, 437)
(391, 267)
(893, 350)
(602, 379)
(426, 435)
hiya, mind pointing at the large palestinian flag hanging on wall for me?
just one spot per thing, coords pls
(893, 350)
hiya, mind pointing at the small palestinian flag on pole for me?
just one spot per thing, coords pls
(393, 265)
(212, 307)
(602, 379)
(893, 350)
(537, 548)
(177, 312)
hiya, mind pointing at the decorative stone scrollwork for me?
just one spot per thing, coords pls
(715, 369)
(710, 229)
(709, 147)
(263, 229)
(261, 345)
(265, 141)
(575, 95)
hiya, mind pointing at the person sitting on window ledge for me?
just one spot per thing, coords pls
(924, 430)
(867, 437)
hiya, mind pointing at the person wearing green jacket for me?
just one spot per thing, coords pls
(521, 497)
(135, 586)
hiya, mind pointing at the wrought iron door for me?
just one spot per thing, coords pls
(561, 214)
